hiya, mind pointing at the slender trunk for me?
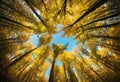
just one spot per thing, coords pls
(92, 69)
(51, 77)
(44, 4)
(41, 63)
(102, 26)
(22, 56)
(71, 74)
(8, 19)
(8, 39)
(107, 37)
(29, 4)
(92, 8)
(15, 10)
(66, 78)
(102, 18)
(23, 68)
(101, 61)
(63, 8)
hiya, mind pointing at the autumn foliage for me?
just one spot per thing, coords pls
(95, 24)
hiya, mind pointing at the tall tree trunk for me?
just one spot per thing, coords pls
(22, 56)
(92, 8)
(51, 77)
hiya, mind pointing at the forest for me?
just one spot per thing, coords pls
(94, 24)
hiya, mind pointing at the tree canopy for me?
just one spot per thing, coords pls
(95, 25)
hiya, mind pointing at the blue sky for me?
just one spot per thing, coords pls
(34, 40)
(57, 39)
